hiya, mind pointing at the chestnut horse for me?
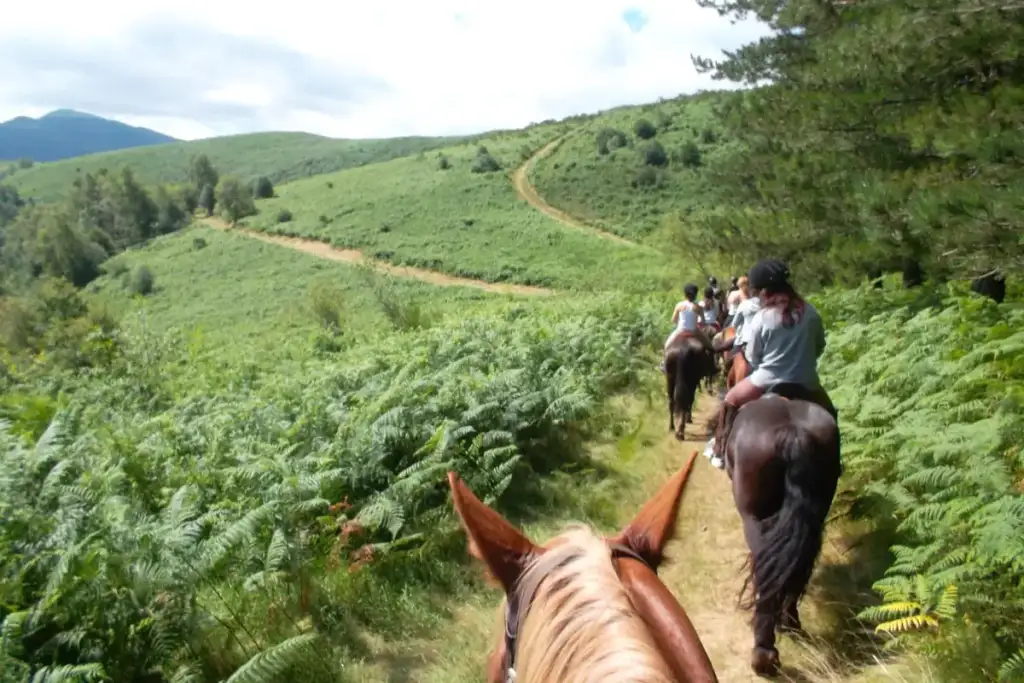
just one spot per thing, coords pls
(784, 462)
(738, 367)
(687, 364)
(584, 608)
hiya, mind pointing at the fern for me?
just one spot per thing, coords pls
(274, 663)
(953, 489)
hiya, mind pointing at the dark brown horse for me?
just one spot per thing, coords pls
(687, 363)
(783, 459)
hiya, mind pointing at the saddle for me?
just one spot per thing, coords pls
(790, 391)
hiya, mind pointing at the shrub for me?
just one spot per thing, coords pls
(284, 216)
(646, 176)
(142, 281)
(644, 129)
(608, 139)
(326, 304)
(263, 188)
(484, 162)
(708, 136)
(654, 154)
(690, 155)
(443, 164)
(198, 243)
(234, 201)
(208, 199)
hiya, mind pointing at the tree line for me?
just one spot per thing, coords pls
(880, 136)
(105, 213)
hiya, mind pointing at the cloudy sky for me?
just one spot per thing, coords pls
(196, 68)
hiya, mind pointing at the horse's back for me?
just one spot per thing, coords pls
(761, 448)
(774, 414)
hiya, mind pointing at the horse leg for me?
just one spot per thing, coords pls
(764, 658)
(790, 622)
(670, 386)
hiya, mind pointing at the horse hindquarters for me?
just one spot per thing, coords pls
(790, 545)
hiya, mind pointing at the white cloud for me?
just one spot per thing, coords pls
(416, 67)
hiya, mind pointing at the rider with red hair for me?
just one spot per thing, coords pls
(784, 340)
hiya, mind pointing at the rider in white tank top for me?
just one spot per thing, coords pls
(687, 316)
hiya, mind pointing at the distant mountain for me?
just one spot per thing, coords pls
(65, 133)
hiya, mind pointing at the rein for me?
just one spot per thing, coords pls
(515, 604)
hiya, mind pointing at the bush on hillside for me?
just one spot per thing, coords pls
(484, 162)
(609, 139)
(208, 199)
(262, 188)
(690, 155)
(142, 281)
(326, 302)
(198, 243)
(648, 176)
(284, 216)
(708, 137)
(234, 200)
(644, 129)
(654, 154)
(442, 163)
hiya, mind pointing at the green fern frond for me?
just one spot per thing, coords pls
(69, 673)
(1012, 669)
(274, 663)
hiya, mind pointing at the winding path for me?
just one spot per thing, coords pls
(326, 251)
(524, 189)
(527, 192)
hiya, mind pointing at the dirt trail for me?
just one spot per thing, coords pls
(326, 251)
(705, 574)
(703, 570)
(526, 191)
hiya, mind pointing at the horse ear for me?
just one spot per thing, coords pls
(502, 547)
(655, 524)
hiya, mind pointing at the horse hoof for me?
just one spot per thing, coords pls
(680, 436)
(765, 662)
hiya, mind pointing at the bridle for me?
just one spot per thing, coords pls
(516, 602)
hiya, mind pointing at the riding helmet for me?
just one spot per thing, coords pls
(769, 274)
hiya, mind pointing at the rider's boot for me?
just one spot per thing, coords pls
(716, 447)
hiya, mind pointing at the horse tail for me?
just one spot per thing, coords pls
(792, 539)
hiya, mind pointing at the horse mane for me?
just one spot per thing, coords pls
(581, 625)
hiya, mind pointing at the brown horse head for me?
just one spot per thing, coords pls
(583, 607)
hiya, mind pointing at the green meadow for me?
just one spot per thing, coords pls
(279, 156)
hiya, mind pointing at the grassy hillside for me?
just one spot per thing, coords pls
(242, 478)
(608, 176)
(65, 133)
(235, 294)
(279, 156)
(412, 211)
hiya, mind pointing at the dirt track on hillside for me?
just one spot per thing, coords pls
(527, 192)
(326, 251)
